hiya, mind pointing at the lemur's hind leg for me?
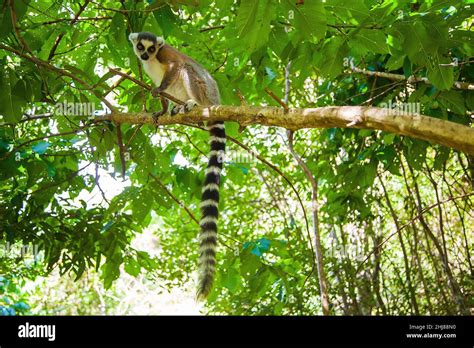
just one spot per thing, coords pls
(164, 109)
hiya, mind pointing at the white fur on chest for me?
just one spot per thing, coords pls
(155, 71)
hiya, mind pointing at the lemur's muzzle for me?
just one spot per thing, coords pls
(144, 56)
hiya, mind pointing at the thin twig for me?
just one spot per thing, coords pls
(174, 198)
(144, 85)
(61, 35)
(278, 100)
(83, 19)
(411, 79)
(317, 250)
(203, 30)
(189, 139)
(96, 179)
(121, 149)
(420, 215)
(15, 26)
(279, 172)
(223, 62)
(60, 72)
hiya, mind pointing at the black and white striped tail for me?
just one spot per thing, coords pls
(209, 210)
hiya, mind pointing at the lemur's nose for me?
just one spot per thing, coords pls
(144, 56)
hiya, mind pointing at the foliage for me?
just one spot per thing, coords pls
(14, 298)
(12, 302)
(374, 187)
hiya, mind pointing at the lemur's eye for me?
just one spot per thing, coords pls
(140, 47)
(151, 49)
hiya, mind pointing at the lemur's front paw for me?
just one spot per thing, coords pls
(155, 92)
(182, 109)
(190, 104)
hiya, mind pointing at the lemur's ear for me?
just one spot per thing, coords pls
(133, 37)
(160, 41)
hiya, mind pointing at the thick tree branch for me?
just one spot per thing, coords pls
(450, 134)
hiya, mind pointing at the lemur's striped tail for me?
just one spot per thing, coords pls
(209, 210)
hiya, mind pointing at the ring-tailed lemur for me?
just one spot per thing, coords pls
(183, 78)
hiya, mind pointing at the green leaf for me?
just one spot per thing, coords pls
(388, 138)
(407, 67)
(372, 40)
(395, 62)
(118, 29)
(184, 177)
(367, 174)
(166, 19)
(354, 10)
(442, 77)
(335, 50)
(161, 197)
(442, 155)
(470, 101)
(259, 283)
(5, 17)
(249, 264)
(10, 107)
(453, 101)
(253, 23)
(110, 272)
(415, 153)
(365, 132)
(309, 18)
(132, 266)
(109, 140)
(35, 170)
(231, 280)
(387, 156)
(232, 129)
(146, 261)
(78, 72)
(141, 205)
(277, 40)
(5, 24)
(418, 44)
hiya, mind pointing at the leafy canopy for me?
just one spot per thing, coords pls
(370, 183)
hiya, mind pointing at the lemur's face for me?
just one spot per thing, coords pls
(146, 44)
